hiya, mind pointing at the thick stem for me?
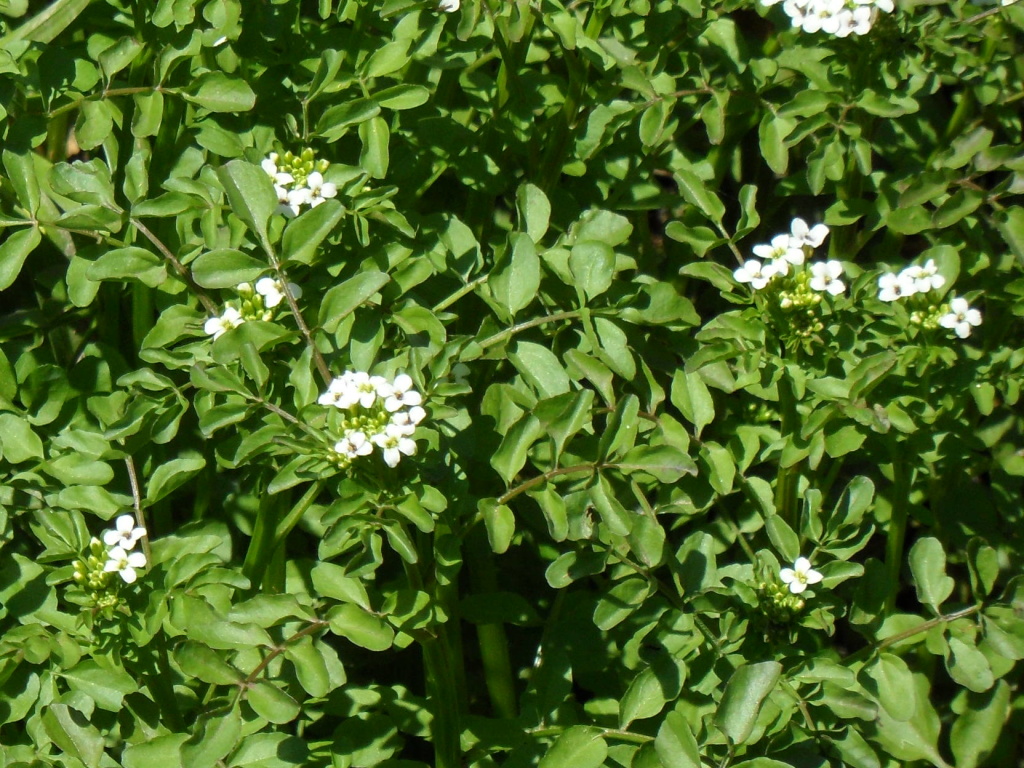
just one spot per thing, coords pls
(494, 653)
(785, 486)
(902, 478)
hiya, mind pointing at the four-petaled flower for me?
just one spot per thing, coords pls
(825, 277)
(960, 317)
(393, 442)
(320, 190)
(800, 234)
(892, 287)
(125, 533)
(353, 444)
(272, 290)
(755, 273)
(782, 252)
(124, 563)
(402, 394)
(800, 575)
(218, 326)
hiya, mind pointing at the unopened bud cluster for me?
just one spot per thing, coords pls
(298, 180)
(375, 415)
(95, 571)
(254, 302)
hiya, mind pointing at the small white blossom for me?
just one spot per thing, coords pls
(320, 190)
(124, 563)
(125, 534)
(800, 234)
(926, 278)
(402, 394)
(394, 442)
(892, 287)
(284, 203)
(960, 318)
(269, 165)
(755, 273)
(449, 6)
(800, 575)
(218, 326)
(272, 290)
(825, 277)
(353, 444)
(782, 252)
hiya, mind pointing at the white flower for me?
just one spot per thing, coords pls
(124, 534)
(412, 417)
(218, 326)
(800, 234)
(755, 273)
(800, 575)
(960, 317)
(892, 287)
(320, 190)
(353, 444)
(782, 252)
(402, 394)
(272, 290)
(925, 278)
(825, 277)
(269, 165)
(393, 442)
(449, 6)
(284, 203)
(124, 563)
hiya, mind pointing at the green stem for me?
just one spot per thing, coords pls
(443, 687)
(902, 479)
(785, 486)
(493, 642)
(261, 546)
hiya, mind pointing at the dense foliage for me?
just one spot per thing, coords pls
(630, 383)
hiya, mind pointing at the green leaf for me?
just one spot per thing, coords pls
(675, 743)
(968, 666)
(77, 469)
(208, 627)
(226, 268)
(342, 300)
(664, 463)
(592, 264)
(213, 737)
(578, 747)
(539, 368)
(335, 582)
(335, 122)
(403, 96)
(219, 92)
(18, 440)
(696, 192)
(173, 474)
(693, 399)
(928, 568)
(305, 233)
(648, 692)
(783, 538)
(500, 524)
(744, 694)
(510, 457)
(310, 666)
(13, 252)
(976, 731)
(516, 278)
(890, 679)
(47, 24)
(21, 172)
(374, 158)
(205, 664)
(270, 702)
(131, 263)
(105, 684)
(361, 627)
(250, 192)
(387, 59)
(73, 733)
(618, 604)
(533, 211)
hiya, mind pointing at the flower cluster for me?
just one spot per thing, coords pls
(956, 315)
(255, 303)
(114, 554)
(788, 251)
(378, 414)
(781, 603)
(298, 180)
(834, 17)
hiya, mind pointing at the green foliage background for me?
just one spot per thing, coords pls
(540, 208)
